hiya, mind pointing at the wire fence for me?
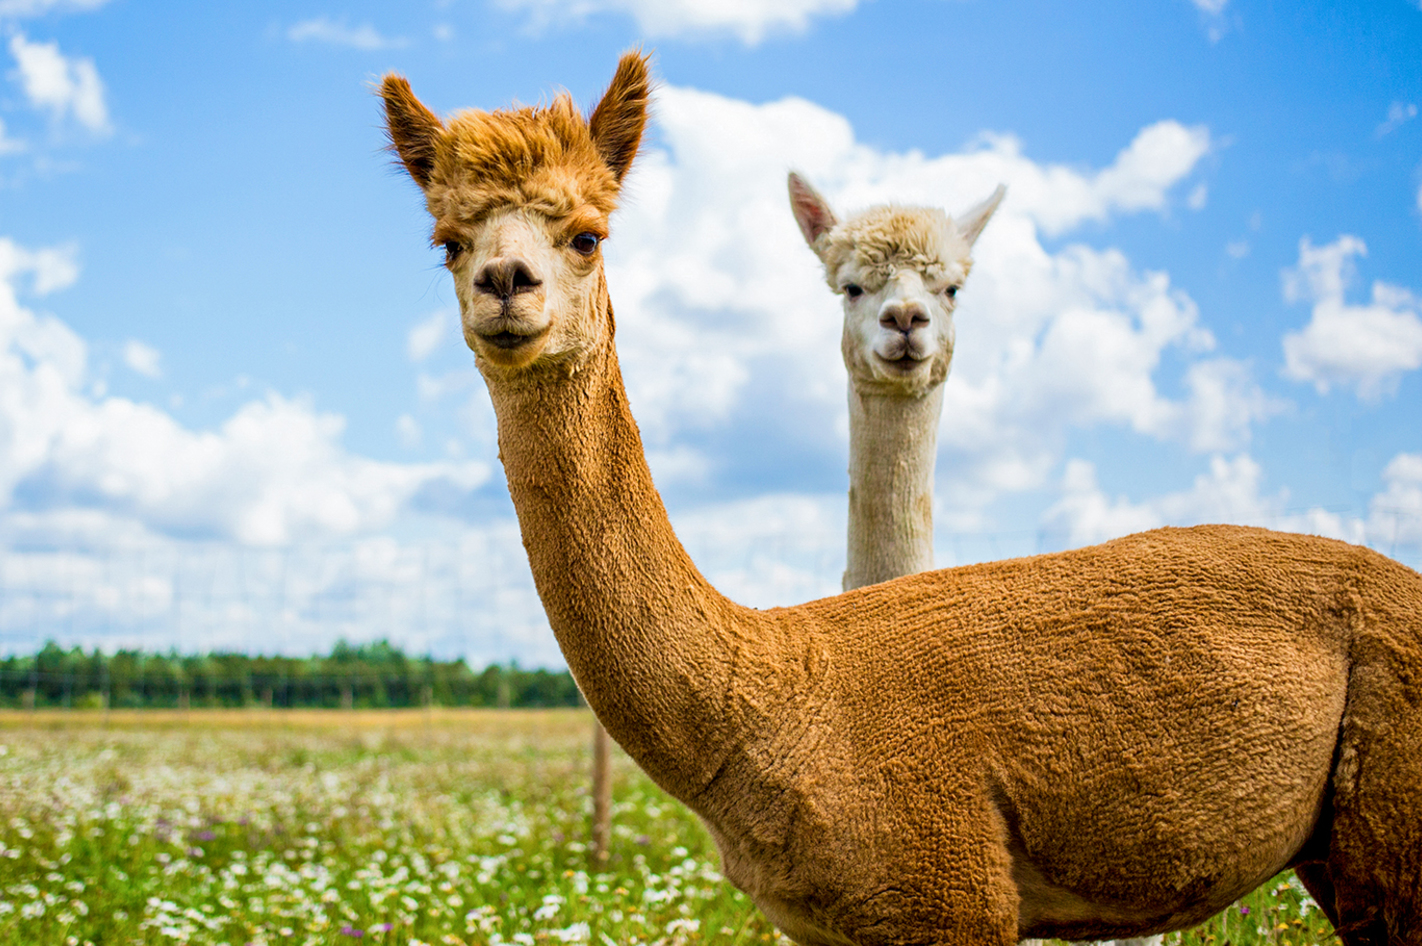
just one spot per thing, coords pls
(468, 597)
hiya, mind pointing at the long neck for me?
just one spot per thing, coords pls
(650, 642)
(892, 442)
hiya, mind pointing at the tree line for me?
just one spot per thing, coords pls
(352, 676)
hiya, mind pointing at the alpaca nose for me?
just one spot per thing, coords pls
(903, 316)
(506, 277)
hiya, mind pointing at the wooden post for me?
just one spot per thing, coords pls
(602, 794)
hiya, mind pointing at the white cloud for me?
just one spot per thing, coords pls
(1395, 515)
(1228, 492)
(1366, 346)
(25, 8)
(748, 20)
(1160, 156)
(9, 145)
(408, 430)
(62, 86)
(723, 316)
(1221, 406)
(425, 337)
(83, 577)
(1059, 198)
(272, 474)
(143, 359)
(325, 30)
(1398, 114)
(1213, 14)
(771, 550)
(49, 269)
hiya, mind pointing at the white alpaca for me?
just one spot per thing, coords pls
(898, 270)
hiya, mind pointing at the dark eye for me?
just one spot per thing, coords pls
(585, 243)
(951, 291)
(452, 249)
(853, 291)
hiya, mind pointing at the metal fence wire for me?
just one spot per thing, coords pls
(468, 597)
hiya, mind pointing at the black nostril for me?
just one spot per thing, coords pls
(523, 278)
(506, 277)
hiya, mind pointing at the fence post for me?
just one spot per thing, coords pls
(602, 794)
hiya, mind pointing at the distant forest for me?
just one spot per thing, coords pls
(363, 676)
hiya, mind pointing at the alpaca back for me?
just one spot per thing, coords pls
(1107, 705)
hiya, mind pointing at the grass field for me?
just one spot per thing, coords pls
(390, 827)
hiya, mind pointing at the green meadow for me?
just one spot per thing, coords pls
(391, 827)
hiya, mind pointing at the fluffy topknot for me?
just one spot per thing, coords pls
(540, 157)
(882, 237)
(549, 158)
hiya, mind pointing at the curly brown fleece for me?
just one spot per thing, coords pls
(1113, 741)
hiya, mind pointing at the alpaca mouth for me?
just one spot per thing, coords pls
(508, 340)
(509, 333)
(903, 361)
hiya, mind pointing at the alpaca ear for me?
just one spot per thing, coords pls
(970, 225)
(618, 120)
(413, 129)
(811, 211)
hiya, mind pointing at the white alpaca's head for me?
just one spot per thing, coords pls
(898, 270)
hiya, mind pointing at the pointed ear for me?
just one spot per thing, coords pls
(970, 225)
(413, 129)
(812, 212)
(618, 120)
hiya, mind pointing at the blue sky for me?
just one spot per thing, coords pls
(235, 410)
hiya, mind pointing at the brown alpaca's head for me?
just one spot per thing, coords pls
(521, 200)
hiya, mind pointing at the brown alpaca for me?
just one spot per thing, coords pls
(1115, 741)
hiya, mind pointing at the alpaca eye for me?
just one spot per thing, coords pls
(853, 291)
(951, 291)
(585, 243)
(452, 249)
